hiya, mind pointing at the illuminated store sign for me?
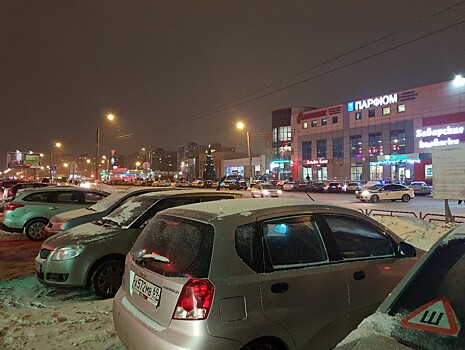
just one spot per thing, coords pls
(317, 114)
(438, 133)
(372, 102)
(316, 162)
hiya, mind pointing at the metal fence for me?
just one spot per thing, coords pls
(419, 215)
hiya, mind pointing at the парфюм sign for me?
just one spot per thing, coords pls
(372, 102)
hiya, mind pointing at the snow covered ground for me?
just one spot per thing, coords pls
(36, 317)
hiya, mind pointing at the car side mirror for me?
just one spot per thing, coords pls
(407, 250)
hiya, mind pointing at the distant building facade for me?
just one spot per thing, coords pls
(391, 136)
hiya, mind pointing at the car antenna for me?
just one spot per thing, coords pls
(309, 196)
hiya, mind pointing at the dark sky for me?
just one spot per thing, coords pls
(160, 66)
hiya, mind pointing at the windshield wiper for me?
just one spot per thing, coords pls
(152, 257)
(110, 221)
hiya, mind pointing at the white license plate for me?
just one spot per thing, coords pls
(146, 290)
(38, 267)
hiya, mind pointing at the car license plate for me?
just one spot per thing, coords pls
(146, 290)
(38, 267)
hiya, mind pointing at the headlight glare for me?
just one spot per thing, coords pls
(67, 253)
(365, 193)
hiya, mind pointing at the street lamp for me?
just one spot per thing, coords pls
(57, 145)
(109, 117)
(241, 126)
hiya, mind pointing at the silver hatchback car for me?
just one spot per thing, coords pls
(254, 274)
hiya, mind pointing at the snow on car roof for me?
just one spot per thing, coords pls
(248, 206)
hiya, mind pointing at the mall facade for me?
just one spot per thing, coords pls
(390, 137)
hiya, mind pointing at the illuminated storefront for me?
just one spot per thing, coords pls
(388, 137)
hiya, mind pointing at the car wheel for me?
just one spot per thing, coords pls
(107, 278)
(34, 229)
(374, 199)
(261, 345)
(405, 198)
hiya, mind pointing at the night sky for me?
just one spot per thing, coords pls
(179, 71)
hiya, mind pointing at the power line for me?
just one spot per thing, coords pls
(310, 78)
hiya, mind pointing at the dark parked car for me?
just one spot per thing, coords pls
(318, 187)
(420, 188)
(255, 274)
(11, 191)
(334, 187)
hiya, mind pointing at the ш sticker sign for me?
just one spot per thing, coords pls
(436, 316)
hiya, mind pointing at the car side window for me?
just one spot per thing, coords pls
(294, 242)
(244, 243)
(43, 197)
(67, 197)
(93, 197)
(359, 240)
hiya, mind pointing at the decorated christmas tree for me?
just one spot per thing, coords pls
(209, 171)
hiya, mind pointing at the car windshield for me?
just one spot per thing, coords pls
(131, 210)
(175, 247)
(429, 313)
(267, 187)
(375, 187)
(107, 202)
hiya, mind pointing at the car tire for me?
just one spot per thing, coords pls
(34, 229)
(261, 345)
(405, 198)
(107, 278)
(374, 199)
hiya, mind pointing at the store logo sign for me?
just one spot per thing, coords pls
(437, 133)
(372, 102)
(316, 161)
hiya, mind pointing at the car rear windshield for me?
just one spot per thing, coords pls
(174, 247)
(431, 310)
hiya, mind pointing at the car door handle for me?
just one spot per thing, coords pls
(279, 287)
(359, 275)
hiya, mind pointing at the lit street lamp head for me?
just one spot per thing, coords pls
(240, 125)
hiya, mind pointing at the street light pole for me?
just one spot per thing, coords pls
(250, 156)
(97, 154)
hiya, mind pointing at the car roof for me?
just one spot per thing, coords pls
(178, 192)
(59, 188)
(209, 211)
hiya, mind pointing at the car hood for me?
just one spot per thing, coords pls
(83, 234)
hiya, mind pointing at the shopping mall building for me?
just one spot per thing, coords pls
(391, 136)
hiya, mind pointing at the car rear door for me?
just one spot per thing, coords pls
(370, 261)
(302, 289)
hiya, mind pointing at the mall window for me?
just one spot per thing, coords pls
(275, 135)
(386, 110)
(338, 147)
(356, 172)
(307, 150)
(314, 123)
(321, 149)
(335, 119)
(304, 125)
(376, 171)
(284, 133)
(324, 121)
(358, 115)
(376, 144)
(397, 141)
(371, 113)
(356, 146)
(400, 108)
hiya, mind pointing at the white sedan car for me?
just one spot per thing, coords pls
(385, 192)
(261, 190)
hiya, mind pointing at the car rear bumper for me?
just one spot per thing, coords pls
(137, 331)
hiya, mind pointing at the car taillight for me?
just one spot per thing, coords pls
(338, 186)
(10, 192)
(195, 300)
(12, 206)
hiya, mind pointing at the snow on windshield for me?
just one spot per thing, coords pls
(131, 210)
